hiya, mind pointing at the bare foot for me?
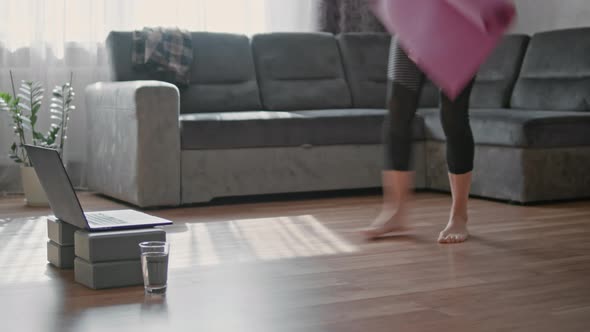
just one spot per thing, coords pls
(387, 222)
(455, 232)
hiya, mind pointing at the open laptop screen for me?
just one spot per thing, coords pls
(57, 185)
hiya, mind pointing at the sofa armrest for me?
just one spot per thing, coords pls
(134, 141)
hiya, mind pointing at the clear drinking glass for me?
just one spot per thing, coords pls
(154, 265)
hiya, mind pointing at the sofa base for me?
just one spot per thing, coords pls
(517, 174)
(207, 174)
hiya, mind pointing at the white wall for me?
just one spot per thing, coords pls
(300, 15)
(542, 15)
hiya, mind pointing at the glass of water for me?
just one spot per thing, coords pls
(154, 265)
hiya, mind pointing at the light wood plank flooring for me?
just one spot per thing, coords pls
(295, 266)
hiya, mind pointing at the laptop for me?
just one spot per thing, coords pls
(65, 204)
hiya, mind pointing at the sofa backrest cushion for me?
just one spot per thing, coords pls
(298, 71)
(222, 75)
(365, 62)
(497, 76)
(223, 78)
(365, 57)
(120, 50)
(555, 74)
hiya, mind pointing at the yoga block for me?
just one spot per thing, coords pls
(60, 256)
(96, 247)
(108, 274)
(60, 232)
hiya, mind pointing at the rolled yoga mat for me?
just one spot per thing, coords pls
(447, 39)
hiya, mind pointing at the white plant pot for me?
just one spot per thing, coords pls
(34, 193)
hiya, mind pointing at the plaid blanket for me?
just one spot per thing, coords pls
(164, 50)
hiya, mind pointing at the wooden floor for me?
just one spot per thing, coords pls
(295, 266)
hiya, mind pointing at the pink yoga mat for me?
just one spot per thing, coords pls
(448, 39)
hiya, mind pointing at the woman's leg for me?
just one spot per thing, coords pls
(405, 82)
(460, 154)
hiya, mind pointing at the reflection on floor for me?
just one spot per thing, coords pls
(258, 239)
(23, 249)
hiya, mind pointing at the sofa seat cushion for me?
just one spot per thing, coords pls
(519, 128)
(230, 130)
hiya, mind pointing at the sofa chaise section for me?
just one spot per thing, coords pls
(532, 143)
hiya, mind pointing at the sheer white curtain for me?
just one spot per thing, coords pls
(46, 40)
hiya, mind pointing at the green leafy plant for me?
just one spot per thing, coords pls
(24, 109)
(61, 107)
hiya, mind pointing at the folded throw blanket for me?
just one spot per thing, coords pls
(164, 50)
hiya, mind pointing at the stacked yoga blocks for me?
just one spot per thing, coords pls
(60, 247)
(100, 259)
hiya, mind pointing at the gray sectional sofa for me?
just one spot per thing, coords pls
(300, 112)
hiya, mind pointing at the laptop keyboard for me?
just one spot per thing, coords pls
(103, 219)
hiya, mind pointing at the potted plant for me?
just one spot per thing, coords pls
(24, 109)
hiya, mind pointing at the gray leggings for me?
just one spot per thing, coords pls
(405, 84)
